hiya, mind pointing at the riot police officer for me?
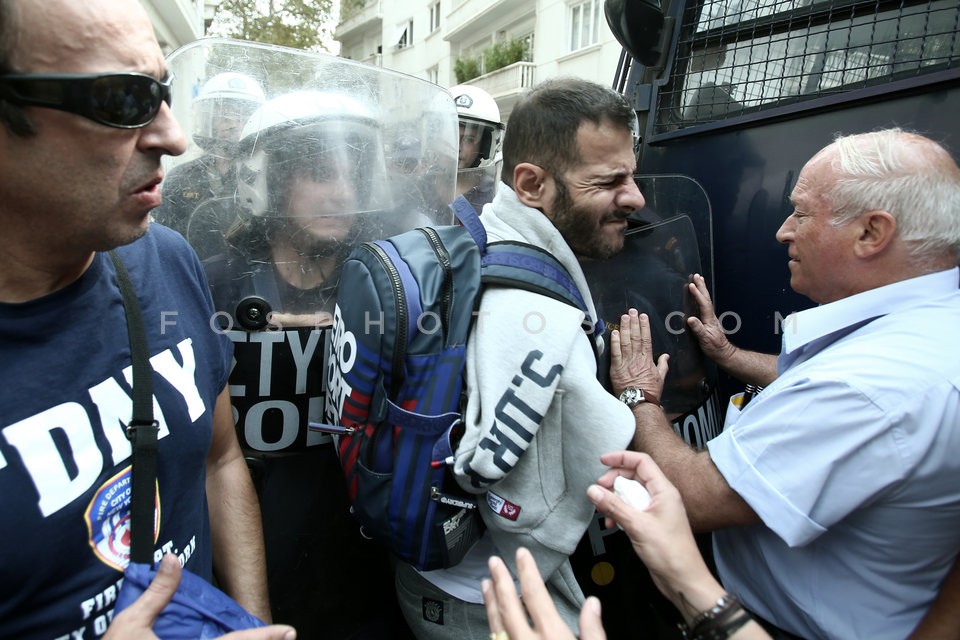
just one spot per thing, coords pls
(312, 188)
(312, 185)
(219, 112)
(481, 133)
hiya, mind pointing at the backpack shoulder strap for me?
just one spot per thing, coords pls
(518, 264)
(526, 266)
(522, 265)
(470, 219)
(529, 267)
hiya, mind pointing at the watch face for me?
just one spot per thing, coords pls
(631, 396)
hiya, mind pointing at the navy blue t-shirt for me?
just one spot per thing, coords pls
(64, 458)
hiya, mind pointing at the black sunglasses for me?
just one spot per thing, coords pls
(121, 100)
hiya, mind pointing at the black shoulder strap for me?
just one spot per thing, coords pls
(524, 266)
(142, 429)
(529, 267)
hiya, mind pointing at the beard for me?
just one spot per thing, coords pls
(581, 229)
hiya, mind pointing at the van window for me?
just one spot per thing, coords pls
(736, 57)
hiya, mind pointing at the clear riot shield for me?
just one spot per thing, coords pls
(662, 250)
(668, 241)
(478, 185)
(333, 153)
(315, 154)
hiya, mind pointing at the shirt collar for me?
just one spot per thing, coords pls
(803, 327)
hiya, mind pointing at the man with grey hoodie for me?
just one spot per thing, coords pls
(537, 419)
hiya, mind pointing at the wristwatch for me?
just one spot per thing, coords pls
(632, 396)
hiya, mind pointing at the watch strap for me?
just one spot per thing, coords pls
(640, 397)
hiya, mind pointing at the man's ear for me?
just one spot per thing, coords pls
(529, 183)
(877, 230)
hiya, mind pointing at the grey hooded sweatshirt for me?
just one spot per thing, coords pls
(537, 419)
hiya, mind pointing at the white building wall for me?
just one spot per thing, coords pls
(177, 22)
(425, 50)
(469, 26)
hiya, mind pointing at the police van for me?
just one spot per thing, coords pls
(733, 97)
(737, 95)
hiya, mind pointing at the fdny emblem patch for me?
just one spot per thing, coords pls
(108, 521)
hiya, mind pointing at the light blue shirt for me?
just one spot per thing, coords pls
(851, 458)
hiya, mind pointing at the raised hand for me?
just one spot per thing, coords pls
(706, 326)
(660, 533)
(631, 356)
(507, 615)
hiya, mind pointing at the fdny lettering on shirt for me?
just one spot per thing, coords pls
(97, 611)
(58, 446)
(102, 601)
(78, 450)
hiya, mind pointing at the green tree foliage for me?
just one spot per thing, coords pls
(466, 69)
(496, 56)
(301, 24)
(350, 8)
(502, 54)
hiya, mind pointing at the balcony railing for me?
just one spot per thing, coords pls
(358, 14)
(510, 79)
(374, 59)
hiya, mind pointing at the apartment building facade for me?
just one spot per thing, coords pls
(433, 39)
(177, 22)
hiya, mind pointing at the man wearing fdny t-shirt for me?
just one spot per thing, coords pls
(79, 173)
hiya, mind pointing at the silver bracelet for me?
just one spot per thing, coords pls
(717, 622)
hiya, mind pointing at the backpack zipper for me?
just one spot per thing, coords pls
(443, 256)
(400, 348)
(451, 501)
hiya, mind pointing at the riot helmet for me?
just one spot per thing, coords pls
(311, 178)
(313, 161)
(221, 109)
(479, 154)
(480, 127)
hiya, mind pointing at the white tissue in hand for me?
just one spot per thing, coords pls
(631, 492)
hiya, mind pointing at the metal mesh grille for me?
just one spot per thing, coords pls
(741, 56)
